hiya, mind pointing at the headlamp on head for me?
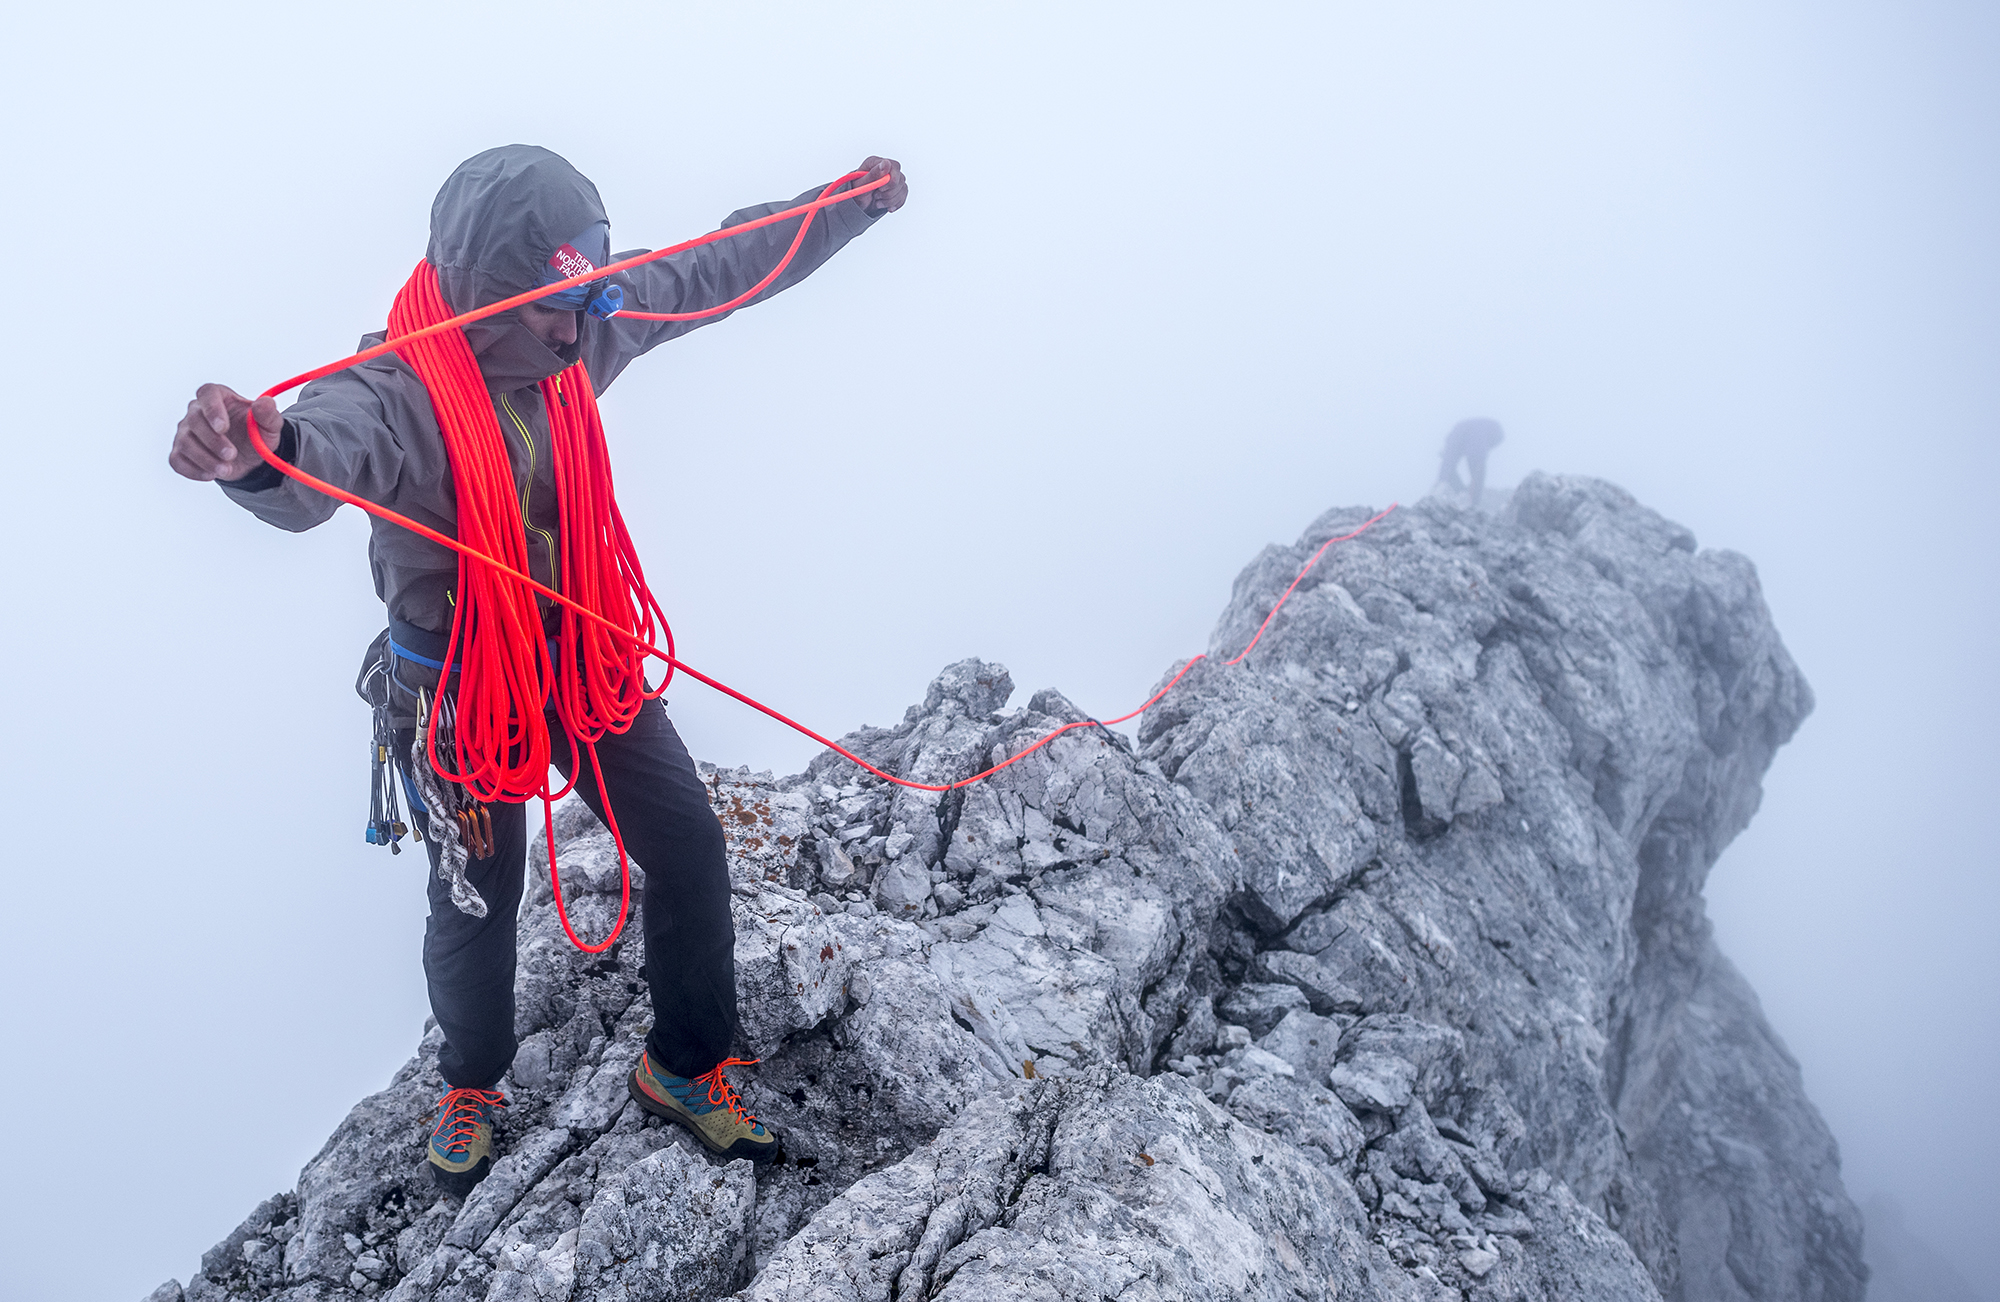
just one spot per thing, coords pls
(578, 256)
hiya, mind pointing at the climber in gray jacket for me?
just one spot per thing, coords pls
(510, 220)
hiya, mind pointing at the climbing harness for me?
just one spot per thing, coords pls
(493, 723)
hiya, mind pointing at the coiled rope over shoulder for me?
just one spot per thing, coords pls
(611, 621)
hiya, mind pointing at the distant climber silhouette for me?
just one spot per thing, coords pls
(1470, 441)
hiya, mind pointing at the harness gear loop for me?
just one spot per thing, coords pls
(444, 805)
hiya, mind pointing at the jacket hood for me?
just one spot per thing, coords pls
(501, 216)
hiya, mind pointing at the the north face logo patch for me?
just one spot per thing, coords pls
(567, 262)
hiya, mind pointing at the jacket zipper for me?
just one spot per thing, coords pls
(555, 575)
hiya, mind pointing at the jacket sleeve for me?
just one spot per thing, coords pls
(344, 429)
(715, 273)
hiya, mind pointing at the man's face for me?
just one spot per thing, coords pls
(554, 326)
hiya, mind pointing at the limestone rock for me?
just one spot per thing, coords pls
(1376, 970)
(670, 1226)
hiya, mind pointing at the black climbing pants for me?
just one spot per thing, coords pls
(671, 832)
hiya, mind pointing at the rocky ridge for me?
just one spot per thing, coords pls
(1377, 969)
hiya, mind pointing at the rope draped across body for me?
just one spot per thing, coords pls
(500, 745)
(610, 619)
(611, 622)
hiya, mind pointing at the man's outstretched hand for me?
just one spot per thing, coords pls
(891, 196)
(213, 439)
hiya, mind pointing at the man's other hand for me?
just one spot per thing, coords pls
(213, 439)
(891, 196)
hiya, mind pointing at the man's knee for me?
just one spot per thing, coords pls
(690, 821)
(701, 852)
(708, 839)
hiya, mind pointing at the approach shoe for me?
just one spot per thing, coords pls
(461, 1145)
(707, 1105)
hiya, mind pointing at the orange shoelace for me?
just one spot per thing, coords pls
(464, 1109)
(721, 1093)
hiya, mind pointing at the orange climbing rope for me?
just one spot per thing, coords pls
(501, 751)
(610, 618)
(500, 738)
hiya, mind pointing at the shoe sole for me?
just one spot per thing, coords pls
(681, 1119)
(459, 1183)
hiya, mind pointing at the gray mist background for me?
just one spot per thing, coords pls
(1172, 280)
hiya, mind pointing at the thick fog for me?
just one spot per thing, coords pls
(1171, 281)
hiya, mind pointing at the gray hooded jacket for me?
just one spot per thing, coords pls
(494, 227)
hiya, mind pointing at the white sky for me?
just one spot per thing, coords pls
(1172, 280)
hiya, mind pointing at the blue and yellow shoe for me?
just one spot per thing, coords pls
(461, 1147)
(707, 1105)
